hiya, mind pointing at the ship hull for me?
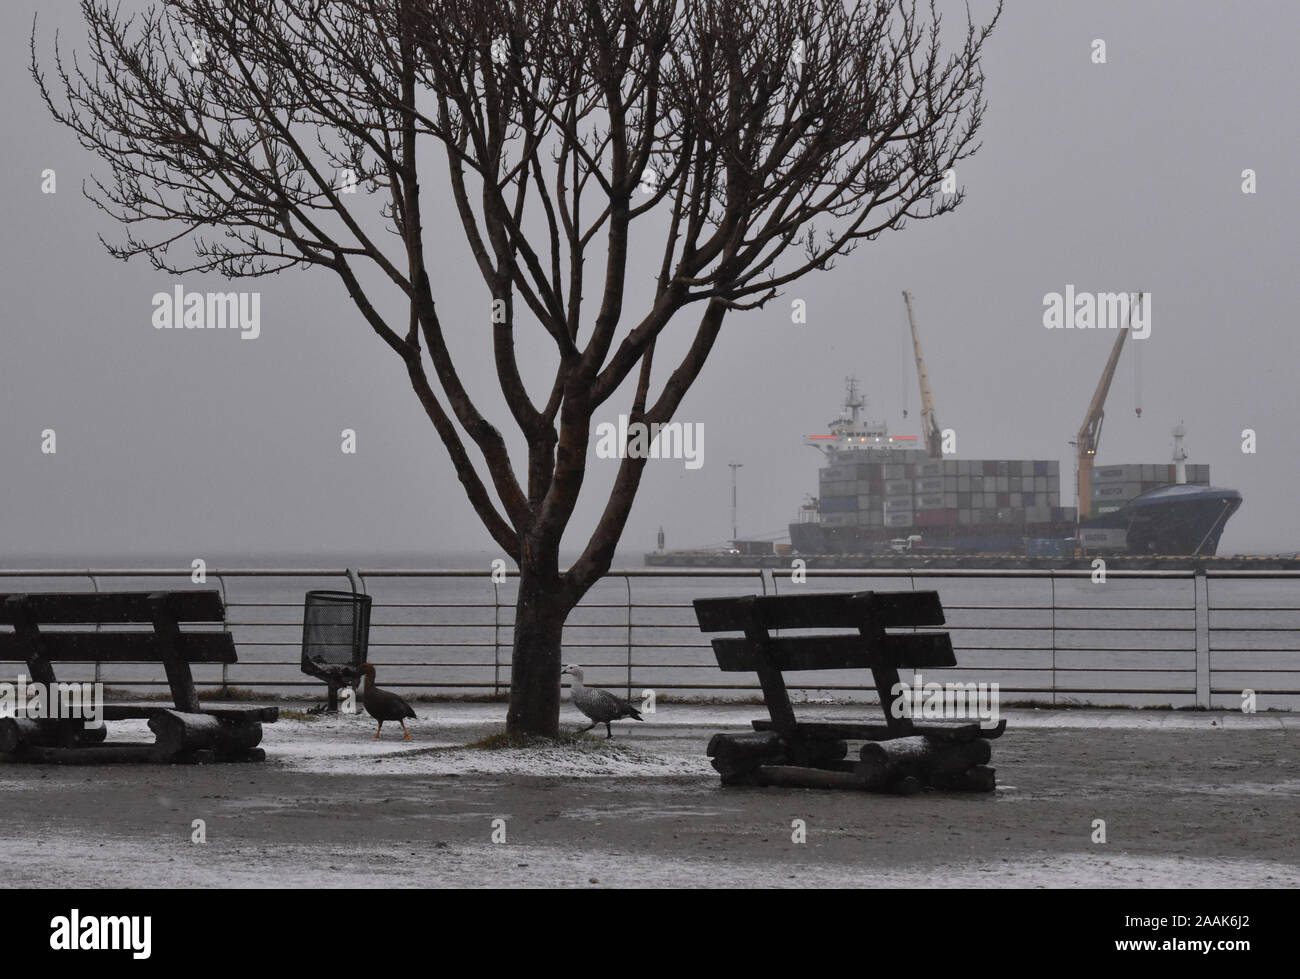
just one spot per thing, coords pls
(1172, 520)
(1175, 520)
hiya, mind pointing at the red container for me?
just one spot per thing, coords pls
(936, 518)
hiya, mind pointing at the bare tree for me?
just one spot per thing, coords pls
(754, 142)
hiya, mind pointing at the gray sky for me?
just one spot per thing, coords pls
(1122, 176)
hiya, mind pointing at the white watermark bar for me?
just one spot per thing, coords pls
(75, 932)
(33, 700)
(954, 701)
(637, 440)
(181, 310)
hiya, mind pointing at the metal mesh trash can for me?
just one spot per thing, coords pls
(335, 638)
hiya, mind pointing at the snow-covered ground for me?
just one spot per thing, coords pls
(113, 863)
(1190, 800)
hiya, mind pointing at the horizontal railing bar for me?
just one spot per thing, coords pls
(754, 573)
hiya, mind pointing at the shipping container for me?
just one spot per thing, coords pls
(1047, 547)
(1118, 492)
(898, 487)
(899, 519)
(1103, 538)
(929, 485)
(936, 518)
(1117, 474)
(839, 504)
(897, 504)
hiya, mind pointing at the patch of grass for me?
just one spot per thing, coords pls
(501, 739)
(298, 715)
(230, 693)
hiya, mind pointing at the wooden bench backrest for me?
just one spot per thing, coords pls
(35, 643)
(105, 608)
(826, 610)
(871, 613)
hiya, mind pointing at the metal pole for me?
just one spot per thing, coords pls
(1052, 579)
(627, 583)
(98, 625)
(225, 627)
(1201, 591)
(734, 466)
(496, 640)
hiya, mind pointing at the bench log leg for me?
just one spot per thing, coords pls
(17, 733)
(179, 732)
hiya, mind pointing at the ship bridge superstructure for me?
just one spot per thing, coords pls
(850, 432)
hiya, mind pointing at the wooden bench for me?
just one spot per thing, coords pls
(900, 755)
(53, 628)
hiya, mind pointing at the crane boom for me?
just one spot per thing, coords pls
(1089, 437)
(929, 424)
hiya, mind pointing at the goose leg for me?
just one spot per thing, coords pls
(380, 731)
(584, 730)
(406, 735)
(608, 733)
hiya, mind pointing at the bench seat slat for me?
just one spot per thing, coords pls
(123, 710)
(845, 652)
(829, 610)
(120, 647)
(935, 731)
(113, 607)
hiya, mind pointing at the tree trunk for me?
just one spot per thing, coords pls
(540, 612)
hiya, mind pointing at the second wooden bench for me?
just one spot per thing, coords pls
(900, 755)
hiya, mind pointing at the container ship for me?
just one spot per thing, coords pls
(882, 495)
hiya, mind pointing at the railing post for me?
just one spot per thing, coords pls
(1052, 578)
(627, 584)
(496, 640)
(225, 627)
(1201, 590)
(99, 627)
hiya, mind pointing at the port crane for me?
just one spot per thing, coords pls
(1089, 438)
(929, 424)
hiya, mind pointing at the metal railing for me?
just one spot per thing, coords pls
(1141, 638)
